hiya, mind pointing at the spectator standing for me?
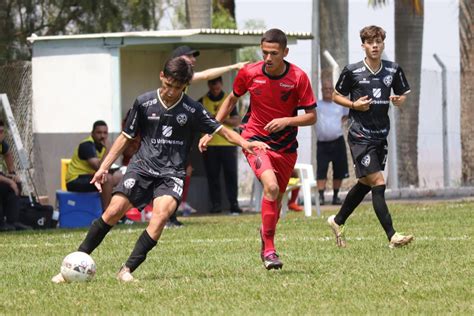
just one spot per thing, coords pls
(220, 153)
(331, 146)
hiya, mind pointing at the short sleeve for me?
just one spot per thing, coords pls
(131, 126)
(87, 151)
(345, 82)
(400, 84)
(306, 99)
(204, 121)
(240, 83)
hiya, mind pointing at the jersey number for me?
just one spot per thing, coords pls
(178, 189)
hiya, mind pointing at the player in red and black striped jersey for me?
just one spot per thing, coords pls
(365, 88)
(277, 90)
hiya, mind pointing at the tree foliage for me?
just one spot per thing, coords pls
(221, 16)
(21, 18)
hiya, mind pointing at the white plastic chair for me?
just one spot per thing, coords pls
(307, 183)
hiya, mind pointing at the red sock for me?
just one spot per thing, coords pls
(270, 215)
(294, 196)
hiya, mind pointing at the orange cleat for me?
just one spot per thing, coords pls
(295, 207)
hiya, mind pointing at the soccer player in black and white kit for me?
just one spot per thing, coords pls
(369, 84)
(167, 120)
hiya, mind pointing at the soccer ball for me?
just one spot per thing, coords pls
(78, 267)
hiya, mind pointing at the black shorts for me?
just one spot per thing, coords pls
(141, 190)
(368, 158)
(335, 152)
(81, 184)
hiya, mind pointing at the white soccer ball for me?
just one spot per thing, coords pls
(78, 267)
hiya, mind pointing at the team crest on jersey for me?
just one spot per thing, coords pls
(365, 161)
(285, 95)
(129, 183)
(167, 130)
(387, 80)
(377, 92)
(182, 119)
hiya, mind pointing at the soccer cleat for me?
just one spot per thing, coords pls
(125, 275)
(295, 207)
(336, 201)
(272, 261)
(399, 240)
(58, 278)
(338, 231)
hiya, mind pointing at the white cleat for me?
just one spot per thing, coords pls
(399, 240)
(338, 231)
(58, 278)
(125, 275)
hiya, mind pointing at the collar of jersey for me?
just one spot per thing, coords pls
(279, 76)
(370, 69)
(163, 103)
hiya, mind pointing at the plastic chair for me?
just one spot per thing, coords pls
(307, 183)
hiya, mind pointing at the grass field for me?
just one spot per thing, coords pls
(212, 266)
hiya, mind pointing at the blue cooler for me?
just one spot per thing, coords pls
(78, 209)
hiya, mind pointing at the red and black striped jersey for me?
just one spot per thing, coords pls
(273, 97)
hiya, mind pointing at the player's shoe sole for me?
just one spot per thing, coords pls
(399, 240)
(58, 278)
(338, 231)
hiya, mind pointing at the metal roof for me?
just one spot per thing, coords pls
(184, 34)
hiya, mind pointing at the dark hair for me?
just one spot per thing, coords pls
(179, 70)
(215, 80)
(274, 36)
(2, 123)
(372, 32)
(97, 124)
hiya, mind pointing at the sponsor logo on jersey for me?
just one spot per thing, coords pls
(361, 69)
(153, 117)
(289, 86)
(387, 80)
(380, 102)
(153, 172)
(166, 130)
(189, 108)
(150, 102)
(182, 119)
(259, 81)
(364, 80)
(129, 183)
(390, 69)
(162, 141)
(365, 161)
(377, 92)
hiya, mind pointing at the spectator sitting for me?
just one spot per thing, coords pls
(9, 189)
(86, 161)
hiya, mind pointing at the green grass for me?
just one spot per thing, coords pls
(212, 266)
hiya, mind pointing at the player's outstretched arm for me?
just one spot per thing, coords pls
(115, 151)
(213, 73)
(238, 140)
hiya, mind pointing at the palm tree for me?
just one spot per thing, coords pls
(466, 12)
(408, 52)
(198, 14)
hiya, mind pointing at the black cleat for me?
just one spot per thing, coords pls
(272, 261)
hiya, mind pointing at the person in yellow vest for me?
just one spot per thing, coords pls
(220, 153)
(86, 161)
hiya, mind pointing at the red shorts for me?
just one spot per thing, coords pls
(281, 163)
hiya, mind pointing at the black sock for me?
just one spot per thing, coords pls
(94, 237)
(381, 209)
(334, 196)
(353, 199)
(143, 245)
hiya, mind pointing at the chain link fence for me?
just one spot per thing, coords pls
(15, 82)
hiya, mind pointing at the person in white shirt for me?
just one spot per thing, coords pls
(331, 146)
